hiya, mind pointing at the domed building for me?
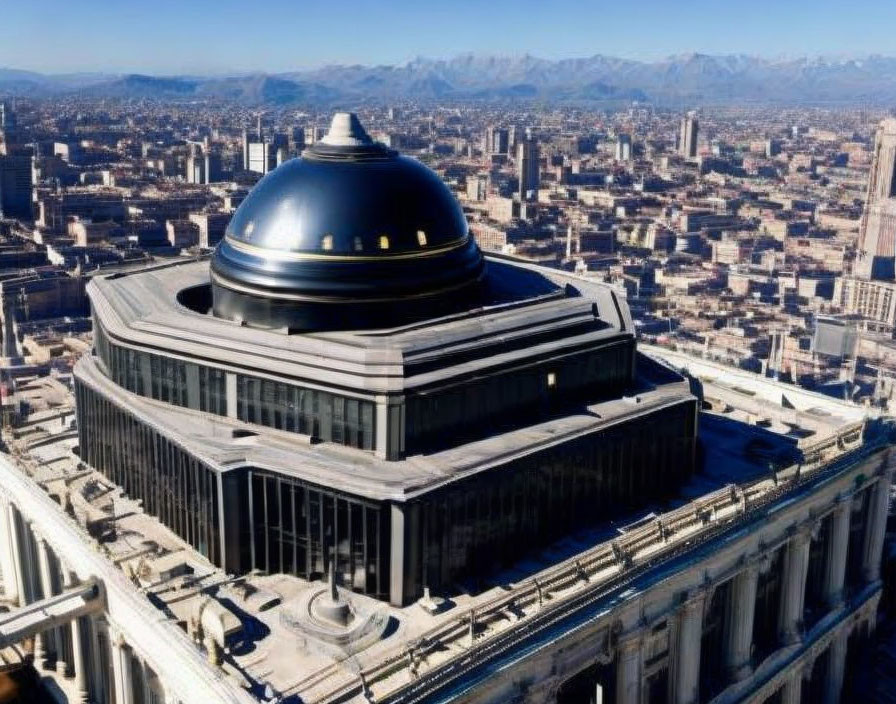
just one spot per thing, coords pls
(349, 385)
(349, 236)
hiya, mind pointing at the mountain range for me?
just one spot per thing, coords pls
(677, 80)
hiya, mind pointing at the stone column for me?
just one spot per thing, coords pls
(792, 691)
(793, 588)
(28, 558)
(97, 625)
(65, 660)
(836, 668)
(687, 650)
(835, 562)
(875, 529)
(628, 669)
(121, 669)
(46, 577)
(739, 623)
(46, 590)
(7, 555)
(79, 666)
(17, 550)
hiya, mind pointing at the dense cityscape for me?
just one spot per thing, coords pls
(637, 449)
(735, 233)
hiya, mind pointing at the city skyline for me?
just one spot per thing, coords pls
(466, 353)
(207, 38)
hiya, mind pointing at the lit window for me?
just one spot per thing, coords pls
(384, 242)
(326, 243)
(552, 380)
(421, 238)
(359, 244)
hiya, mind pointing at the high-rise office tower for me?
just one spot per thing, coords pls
(16, 186)
(260, 152)
(687, 139)
(313, 134)
(7, 117)
(262, 157)
(196, 166)
(876, 254)
(496, 141)
(527, 167)
(7, 127)
(624, 147)
(213, 167)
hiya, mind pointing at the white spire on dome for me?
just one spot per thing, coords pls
(346, 131)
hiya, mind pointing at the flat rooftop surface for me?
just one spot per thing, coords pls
(146, 309)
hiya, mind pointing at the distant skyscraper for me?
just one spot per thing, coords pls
(496, 141)
(687, 140)
(877, 235)
(7, 126)
(195, 166)
(527, 167)
(260, 152)
(624, 147)
(16, 186)
(312, 134)
(262, 157)
(7, 117)
(213, 168)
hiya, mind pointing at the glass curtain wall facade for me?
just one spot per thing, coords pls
(463, 530)
(320, 414)
(297, 528)
(482, 406)
(173, 485)
(493, 519)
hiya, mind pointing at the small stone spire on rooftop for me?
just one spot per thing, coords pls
(346, 131)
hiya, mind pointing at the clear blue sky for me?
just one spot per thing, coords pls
(219, 36)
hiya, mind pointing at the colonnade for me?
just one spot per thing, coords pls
(88, 653)
(737, 646)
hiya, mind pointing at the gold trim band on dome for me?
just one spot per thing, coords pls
(306, 256)
(299, 297)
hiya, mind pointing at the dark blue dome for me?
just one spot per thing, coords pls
(349, 222)
(341, 207)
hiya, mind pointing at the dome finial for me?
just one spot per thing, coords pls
(346, 131)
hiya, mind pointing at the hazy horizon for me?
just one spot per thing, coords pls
(214, 37)
(237, 71)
